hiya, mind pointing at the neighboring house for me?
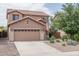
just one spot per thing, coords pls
(24, 25)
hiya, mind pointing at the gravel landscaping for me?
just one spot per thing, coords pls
(61, 48)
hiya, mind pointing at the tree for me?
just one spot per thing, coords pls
(69, 18)
(57, 19)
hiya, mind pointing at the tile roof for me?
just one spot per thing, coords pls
(28, 12)
(26, 18)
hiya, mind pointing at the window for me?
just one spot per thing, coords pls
(15, 17)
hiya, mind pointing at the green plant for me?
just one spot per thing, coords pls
(76, 37)
(52, 31)
(52, 39)
(68, 19)
(63, 44)
(57, 40)
(65, 38)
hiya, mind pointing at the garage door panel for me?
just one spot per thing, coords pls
(26, 35)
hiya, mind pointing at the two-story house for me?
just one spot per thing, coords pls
(24, 25)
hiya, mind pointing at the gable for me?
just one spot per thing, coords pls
(27, 23)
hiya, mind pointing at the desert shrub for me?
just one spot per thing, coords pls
(63, 44)
(52, 39)
(65, 38)
(57, 40)
(52, 31)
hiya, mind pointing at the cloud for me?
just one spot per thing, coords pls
(29, 6)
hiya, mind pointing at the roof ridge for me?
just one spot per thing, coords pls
(24, 10)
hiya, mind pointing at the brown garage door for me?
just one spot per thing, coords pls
(26, 35)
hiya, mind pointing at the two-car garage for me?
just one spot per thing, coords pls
(26, 35)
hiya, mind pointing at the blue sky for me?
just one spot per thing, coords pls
(54, 7)
(49, 8)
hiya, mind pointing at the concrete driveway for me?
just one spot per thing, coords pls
(39, 48)
(35, 48)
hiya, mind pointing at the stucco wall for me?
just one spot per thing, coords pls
(23, 24)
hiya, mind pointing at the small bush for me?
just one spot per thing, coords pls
(52, 39)
(57, 40)
(76, 37)
(52, 30)
(65, 38)
(63, 44)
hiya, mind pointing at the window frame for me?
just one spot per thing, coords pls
(15, 16)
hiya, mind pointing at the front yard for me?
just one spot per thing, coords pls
(66, 48)
(65, 27)
(37, 48)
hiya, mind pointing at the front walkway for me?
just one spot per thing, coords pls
(39, 48)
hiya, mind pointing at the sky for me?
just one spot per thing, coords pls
(49, 8)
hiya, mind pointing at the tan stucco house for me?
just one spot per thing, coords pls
(24, 25)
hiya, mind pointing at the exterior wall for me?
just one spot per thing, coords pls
(10, 16)
(37, 17)
(11, 35)
(42, 35)
(23, 24)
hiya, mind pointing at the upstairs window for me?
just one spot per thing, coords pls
(15, 17)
